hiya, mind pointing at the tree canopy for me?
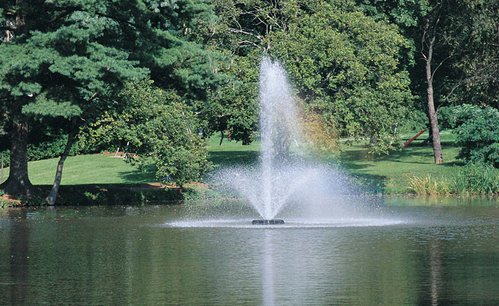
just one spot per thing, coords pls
(363, 67)
(69, 59)
(346, 66)
(157, 130)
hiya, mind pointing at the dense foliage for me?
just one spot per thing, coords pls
(477, 132)
(346, 67)
(157, 131)
(68, 59)
(233, 107)
(362, 68)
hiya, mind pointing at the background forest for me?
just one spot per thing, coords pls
(156, 79)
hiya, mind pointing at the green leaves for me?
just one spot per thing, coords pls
(44, 107)
(64, 63)
(164, 132)
(159, 130)
(346, 66)
(477, 132)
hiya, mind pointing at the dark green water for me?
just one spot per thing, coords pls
(130, 255)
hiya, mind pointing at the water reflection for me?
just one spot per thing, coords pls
(435, 270)
(126, 256)
(268, 269)
(19, 239)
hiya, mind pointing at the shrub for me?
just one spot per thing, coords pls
(160, 131)
(5, 158)
(477, 179)
(50, 149)
(43, 150)
(477, 132)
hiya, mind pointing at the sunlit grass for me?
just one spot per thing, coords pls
(395, 170)
(86, 169)
(390, 173)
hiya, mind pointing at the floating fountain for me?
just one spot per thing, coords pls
(267, 222)
(287, 188)
(285, 173)
(279, 131)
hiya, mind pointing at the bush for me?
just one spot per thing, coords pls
(50, 149)
(160, 131)
(477, 132)
(477, 179)
(43, 150)
(5, 157)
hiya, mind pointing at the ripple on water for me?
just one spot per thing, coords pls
(290, 223)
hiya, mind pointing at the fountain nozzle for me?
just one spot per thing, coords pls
(267, 222)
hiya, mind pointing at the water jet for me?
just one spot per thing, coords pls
(286, 175)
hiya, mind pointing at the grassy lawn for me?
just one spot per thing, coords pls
(86, 169)
(390, 172)
(232, 153)
(393, 171)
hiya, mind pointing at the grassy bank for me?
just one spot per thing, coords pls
(87, 169)
(407, 171)
(394, 172)
(104, 178)
(97, 179)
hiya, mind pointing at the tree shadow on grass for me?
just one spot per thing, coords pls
(233, 158)
(415, 154)
(370, 183)
(111, 194)
(137, 176)
(454, 163)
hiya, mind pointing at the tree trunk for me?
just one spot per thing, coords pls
(221, 137)
(18, 182)
(432, 114)
(435, 131)
(52, 197)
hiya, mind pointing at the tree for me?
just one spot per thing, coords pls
(475, 33)
(55, 66)
(459, 56)
(233, 106)
(69, 59)
(240, 34)
(346, 67)
(430, 33)
(245, 24)
(457, 42)
(476, 131)
(161, 132)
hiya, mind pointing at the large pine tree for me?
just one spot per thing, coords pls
(68, 58)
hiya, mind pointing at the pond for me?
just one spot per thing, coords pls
(163, 255)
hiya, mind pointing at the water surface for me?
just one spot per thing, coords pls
(158, 255)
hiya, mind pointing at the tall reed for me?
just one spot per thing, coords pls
(477, 179)
(429, 186)
(471, 180)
